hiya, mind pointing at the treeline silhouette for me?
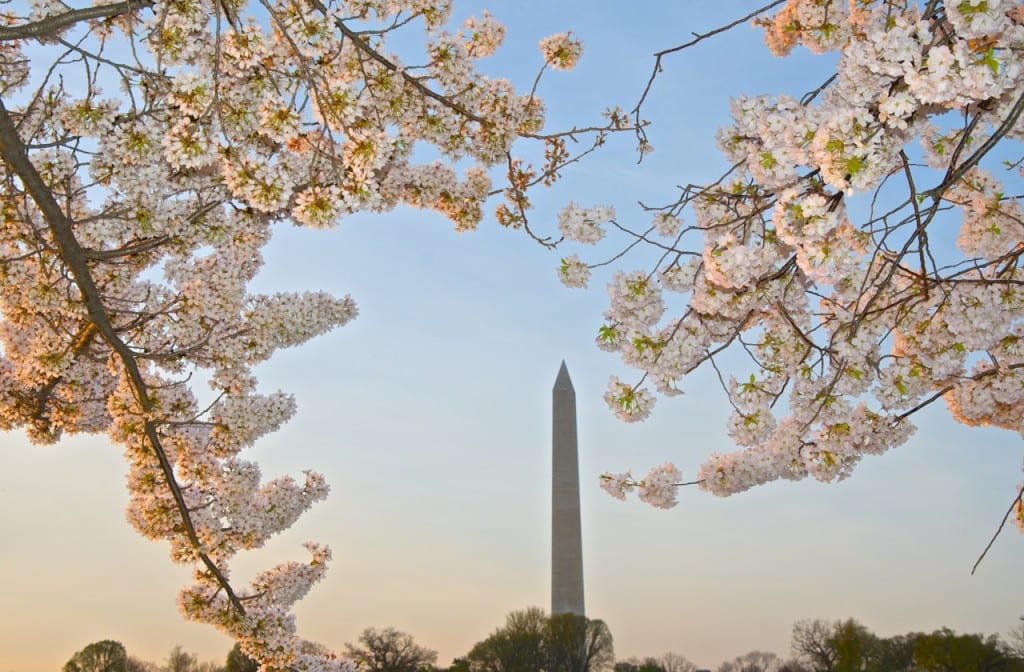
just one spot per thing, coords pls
(111, 656)
(532, 641)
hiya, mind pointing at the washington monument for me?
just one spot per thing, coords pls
(566, 537)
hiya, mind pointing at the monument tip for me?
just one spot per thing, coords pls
(563, 380)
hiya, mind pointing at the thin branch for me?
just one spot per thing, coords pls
(697, 37)
(953, 175)
(1016, 502)
(922, 233)
(811, 95)
(134, 248)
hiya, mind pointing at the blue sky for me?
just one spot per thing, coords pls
(430, 417)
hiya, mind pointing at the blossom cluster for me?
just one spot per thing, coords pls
(573, 272)
(561, 51)
(583, 225)
(658, 488)
(840, 288)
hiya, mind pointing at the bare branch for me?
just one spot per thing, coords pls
(1017, 501)
(697, 37)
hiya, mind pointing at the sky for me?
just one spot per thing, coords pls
(430, 417)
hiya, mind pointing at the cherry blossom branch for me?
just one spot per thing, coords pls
(52, 24)
(516, 194)
(949, 388)
(635, 483)
(447, 101)
(13, 152)
(79, 343)
(955, 174)
(373, 54)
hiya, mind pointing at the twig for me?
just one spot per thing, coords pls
(697, 37)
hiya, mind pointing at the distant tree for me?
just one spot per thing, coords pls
(813, 644)
(792, 665)
(855, 646)
(134, 664)
(578, 644)
(208, 666)
(1016, 643)
(458, 665)
(180, 660)
(648, 664)
(946, 651)
(389, 650)
(498, 653)
(239, 662)
(673, 662)
(834, 646)
(755, 661)
(516, 647)
(103, 656)
(315, 648)
(895, 654)
(848, 646)
(531, 641)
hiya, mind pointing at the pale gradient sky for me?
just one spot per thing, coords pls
(430, 417)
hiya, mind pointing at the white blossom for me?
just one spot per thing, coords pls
(561, 51)
(573, 272)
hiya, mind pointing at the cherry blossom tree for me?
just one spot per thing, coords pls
(147, 149)
(825, 254)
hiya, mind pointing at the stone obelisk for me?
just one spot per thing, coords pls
(566, 536)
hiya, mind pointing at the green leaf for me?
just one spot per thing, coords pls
(990, 61)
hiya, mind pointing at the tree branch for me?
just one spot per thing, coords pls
(697, 37)
(953, 175)
(53, 24)
(13, 153)
(1016, 500)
